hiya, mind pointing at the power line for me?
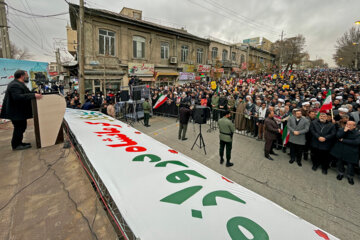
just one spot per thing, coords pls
(219, 13)
(38, 27)
(36, 43)
(25, 16)
(243, 18)
(37, 15)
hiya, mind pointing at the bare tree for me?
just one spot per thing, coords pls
(18, 53)
(347, 49)
(289, 51)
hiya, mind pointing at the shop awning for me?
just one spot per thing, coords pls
(146, 79)
(166, 74)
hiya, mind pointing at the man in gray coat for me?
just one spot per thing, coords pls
(298, 127)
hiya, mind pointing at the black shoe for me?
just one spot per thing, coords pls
(292, 161)
(25, 144)
(270, 158)
(350, 181)
(179, 138)
(284, 150)
(229, 164)
(324, 171)
(21, 147)
(147, 125)
(221, 161)
(339, 177)
(275, 154)
(299, 164)
(314, 168)
(184, 139)
(306, 156)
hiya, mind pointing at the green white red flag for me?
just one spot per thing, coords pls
(285, 136)
(327, 104)
(162, 99)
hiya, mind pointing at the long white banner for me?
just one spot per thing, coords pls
(163, 194)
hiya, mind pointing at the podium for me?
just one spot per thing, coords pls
(48, 115)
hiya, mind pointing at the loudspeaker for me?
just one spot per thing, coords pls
(201, 114)
(124, 95)
(137, 95)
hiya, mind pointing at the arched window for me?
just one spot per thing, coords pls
(242, 59)
(214, 53)
(184, 53)
(224, 55)
(138, 47)
(199, 55)
(164, 50)
(106, 42)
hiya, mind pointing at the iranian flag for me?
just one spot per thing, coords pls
(327, 104)
(160, 101)
(285, 136)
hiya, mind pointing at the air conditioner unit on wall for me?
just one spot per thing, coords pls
(173, 60)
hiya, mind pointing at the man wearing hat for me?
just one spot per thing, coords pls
(305, 109)
(298, 127)
(223, 104)
(215, 106)
(271, 132)
(185, 113)
(346, 150)
(322, 137)
(226, 129)
(146, 106)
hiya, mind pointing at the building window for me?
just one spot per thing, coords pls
(184, 53)
(242, 59)
(224, 55)
(214, 53)
(199, 55)
(233, 56)
(106, 42)
(138, 47)
(164, 50)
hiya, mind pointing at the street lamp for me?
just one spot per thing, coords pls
(357, 22)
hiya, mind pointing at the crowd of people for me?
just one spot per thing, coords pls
(264, 106)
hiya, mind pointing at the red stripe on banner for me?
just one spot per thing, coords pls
(96, 186)
(322, 234)
(226, 179)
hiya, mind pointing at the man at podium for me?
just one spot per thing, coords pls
(17, 107)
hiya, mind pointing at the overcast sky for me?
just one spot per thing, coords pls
(320, 21)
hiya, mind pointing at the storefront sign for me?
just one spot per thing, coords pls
(243, 66)
(218, 70)
(204, 68)
(163, 194)
(188, 68)
(141, 69)
(185, 76)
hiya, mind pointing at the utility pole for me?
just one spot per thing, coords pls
(81, 58)
(5, 42)
(57, 53)
(281, 48)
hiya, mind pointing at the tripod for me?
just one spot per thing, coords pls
(201, 139)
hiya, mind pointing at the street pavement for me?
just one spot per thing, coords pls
(322, 200)
(45, 194)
